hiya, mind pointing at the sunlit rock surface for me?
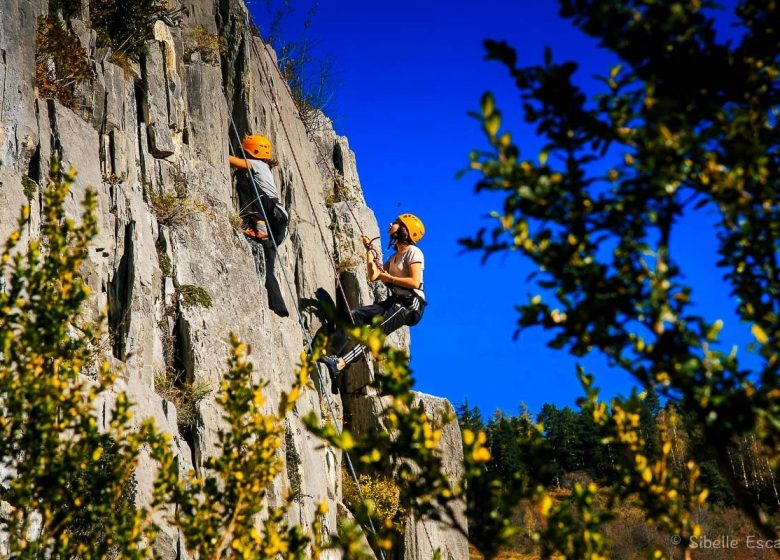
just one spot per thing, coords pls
(163, 126)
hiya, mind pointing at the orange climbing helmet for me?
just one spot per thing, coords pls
(413, 225)
(257, 147)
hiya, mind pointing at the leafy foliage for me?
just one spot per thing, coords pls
(29, 187)
(184, 395)
(694, 124)
(217, 512)
(174, 209)
(60, 61)
(407, 446)
(68, 485)
(63, 474)
(125, 26)
(165, 262)
(622, 521)
(310, 78)
(311, 83)
(194, 296)
(208, 46)
(380, 495)
(68, 8)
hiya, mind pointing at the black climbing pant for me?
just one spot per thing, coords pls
(395, 311)
(268, 260)
(276, 221)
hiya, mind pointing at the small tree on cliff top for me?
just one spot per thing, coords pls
(694, 123)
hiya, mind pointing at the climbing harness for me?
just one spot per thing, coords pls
(350, 465)
(272, 98)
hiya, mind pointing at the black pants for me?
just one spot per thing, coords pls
(276, 222)
(268, 250)
(395, 312)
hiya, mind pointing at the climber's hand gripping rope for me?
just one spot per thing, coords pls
(375, 266)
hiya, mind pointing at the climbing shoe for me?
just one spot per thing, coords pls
(332, 362)
(259, 233)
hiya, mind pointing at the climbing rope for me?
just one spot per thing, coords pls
(369, 247)
(301, 323)
(331, 171)
(350, 465)
(273, 100)
(335, 179)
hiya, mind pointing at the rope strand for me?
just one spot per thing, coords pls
(297, 308)
(346, 202)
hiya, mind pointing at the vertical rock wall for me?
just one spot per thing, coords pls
(162, 128)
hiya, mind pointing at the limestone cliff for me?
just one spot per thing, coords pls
(158, 131)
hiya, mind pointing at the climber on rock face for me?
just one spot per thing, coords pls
(403, 275)
(263, 218)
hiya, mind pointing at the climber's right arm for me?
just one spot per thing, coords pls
(240, 163)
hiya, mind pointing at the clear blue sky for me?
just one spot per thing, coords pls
(406, 74)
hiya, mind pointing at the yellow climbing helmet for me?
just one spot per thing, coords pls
(413, 225)
(256, 146)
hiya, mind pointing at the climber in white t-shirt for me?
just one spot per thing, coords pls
(403, 275)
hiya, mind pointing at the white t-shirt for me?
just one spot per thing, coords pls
(399, 265)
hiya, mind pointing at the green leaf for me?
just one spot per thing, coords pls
(487, 104)
(759, 334)
(492, 124)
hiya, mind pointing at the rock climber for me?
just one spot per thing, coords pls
(263, 217)
(403, 275)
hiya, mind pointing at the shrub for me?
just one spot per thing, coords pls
(125, 26)
(173, 209)
(68, 8)
(184, 395)
(71, 493)
(209, 46)
(349, 263)
(381, 495)
(309, 78)
(623, 169)
(60, 61)
(293, 462)
(235, 221)
(29, 187)
(217, 512)
(194, 296)
(112, 179)
(310, 84)
(166, 265)
(331, 198)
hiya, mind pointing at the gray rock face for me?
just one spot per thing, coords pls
(423, 538)
(161, 130)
